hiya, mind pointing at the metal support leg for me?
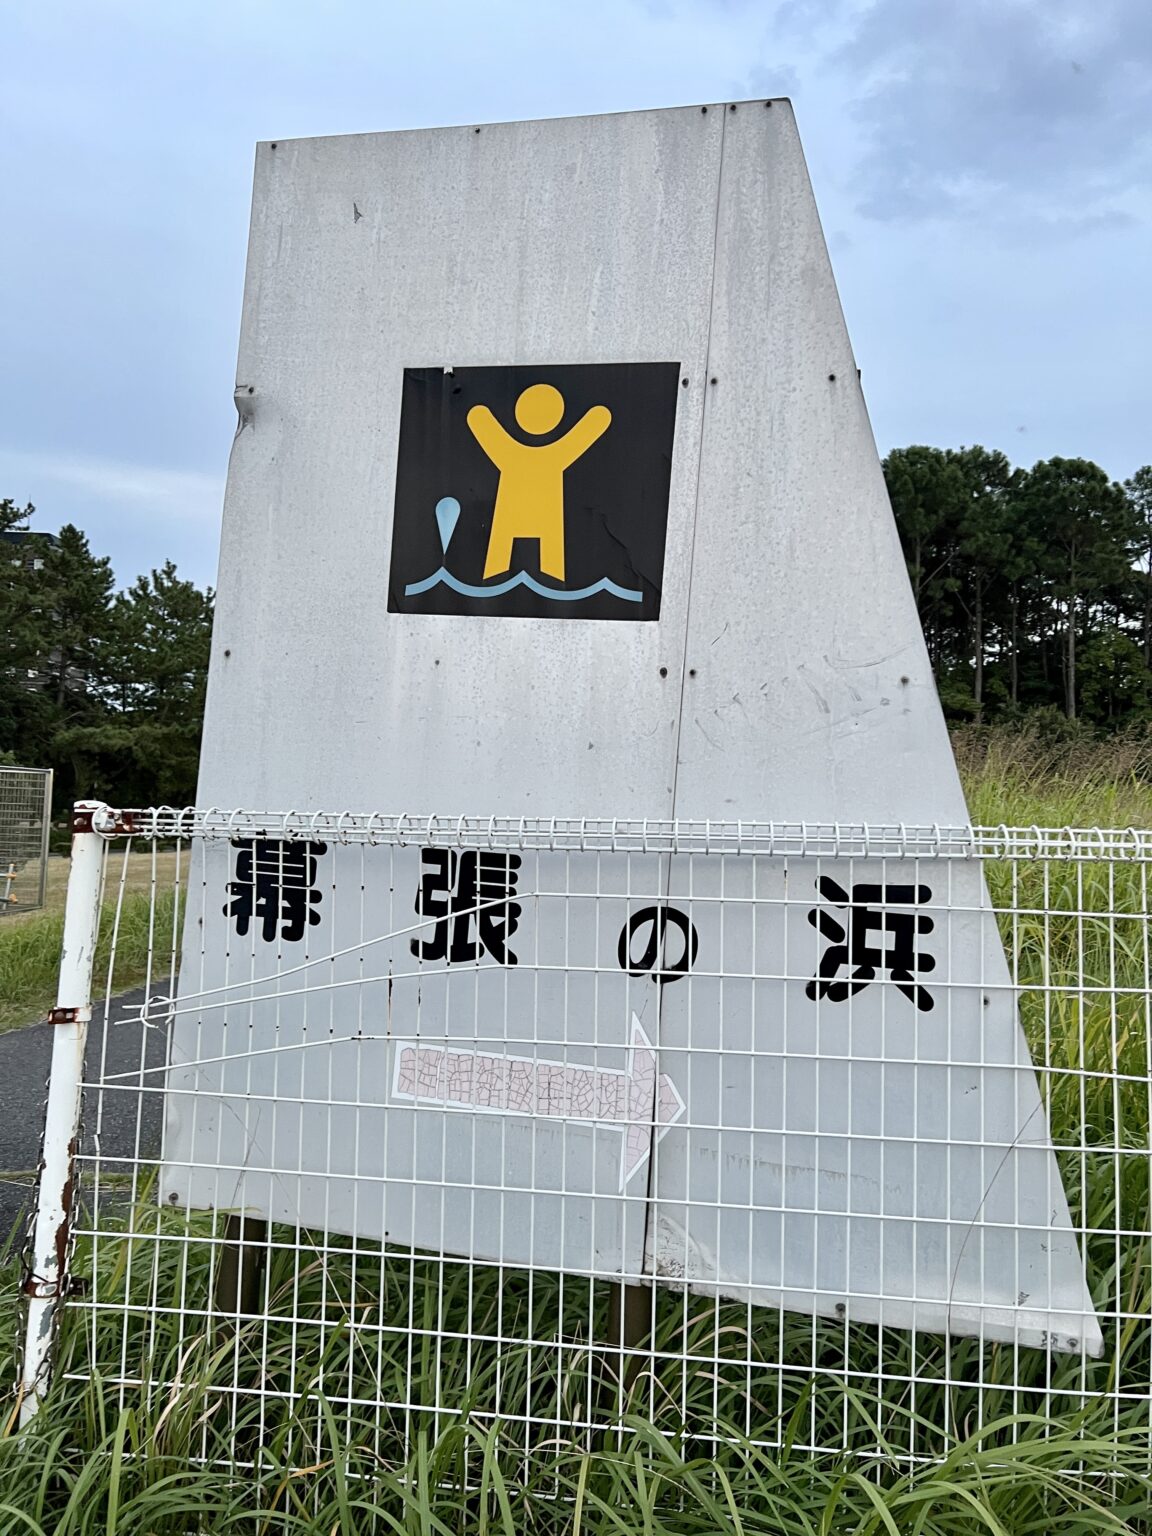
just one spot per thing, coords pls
(629, 1315)
(629, 1322)
(240, 1268)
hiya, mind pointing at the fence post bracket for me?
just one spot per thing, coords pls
(88, 816)
(66, 1015)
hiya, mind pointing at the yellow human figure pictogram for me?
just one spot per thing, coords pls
(530, 497)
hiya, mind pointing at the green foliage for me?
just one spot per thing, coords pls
(19, 627)
(688, 1449)
(1034, 587)
(145, 748)
(107, 690)
(1139, 493)
(1114, 679)
(74, 590)
(119, 1476)
(1088, 544)
(929, 498)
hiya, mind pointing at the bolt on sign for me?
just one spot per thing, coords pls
(499, 386)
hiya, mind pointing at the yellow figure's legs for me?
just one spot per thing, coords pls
(499, 556)
(549, 535)
(552, 549)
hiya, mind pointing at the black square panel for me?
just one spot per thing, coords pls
(534, 492)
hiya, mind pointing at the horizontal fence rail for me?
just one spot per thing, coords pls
(822, 1134)
(621, 835)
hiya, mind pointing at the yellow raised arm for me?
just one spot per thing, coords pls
(579, 439)
(490, 434)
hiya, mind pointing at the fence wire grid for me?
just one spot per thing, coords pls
(25, 819)
(838, 1135)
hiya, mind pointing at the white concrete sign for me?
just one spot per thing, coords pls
(554, 494)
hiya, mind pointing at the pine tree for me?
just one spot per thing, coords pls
(1086, 534)
(21, 632)
(75, 590)
(155, 667)
(929, 499)
(1139, 493)
(992, 551)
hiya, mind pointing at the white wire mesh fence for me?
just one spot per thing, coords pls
(838, 1135)
(25, 818)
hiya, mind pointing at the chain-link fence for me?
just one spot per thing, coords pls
(834, 1136)
(25, 821)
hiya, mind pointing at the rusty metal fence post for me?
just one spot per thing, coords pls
(46, 1283)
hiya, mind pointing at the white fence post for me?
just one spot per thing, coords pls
(46, 1283)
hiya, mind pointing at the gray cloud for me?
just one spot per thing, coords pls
(126, 137)
(1013, 109)
(167, 493)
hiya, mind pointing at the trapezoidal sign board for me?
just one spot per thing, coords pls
(554, 493)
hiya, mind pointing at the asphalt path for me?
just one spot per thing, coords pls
(121, 1121)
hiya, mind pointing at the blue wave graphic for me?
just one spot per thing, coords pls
(521, 579)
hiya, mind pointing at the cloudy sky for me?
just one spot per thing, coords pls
(982, 169)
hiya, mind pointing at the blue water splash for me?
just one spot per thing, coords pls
(521, 579)
(447, 516)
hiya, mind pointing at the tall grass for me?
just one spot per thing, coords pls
(106, 1456)
(126, 1480)
(200, 1423)
(30, 953)
(1028, 778)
